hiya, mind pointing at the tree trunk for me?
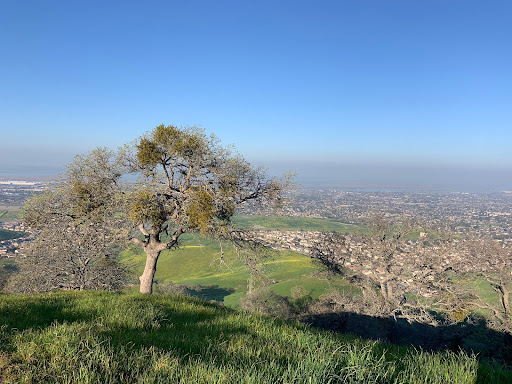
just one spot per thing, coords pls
(389, 291)
(146, 279)
(384, 285)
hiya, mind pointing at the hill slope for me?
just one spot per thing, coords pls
(197, 262)
(100, 337)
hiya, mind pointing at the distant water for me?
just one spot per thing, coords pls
(478, 184)
(399, 177)
(30, 173)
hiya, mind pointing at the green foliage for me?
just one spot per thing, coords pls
(200, 210)
(266, 302)
(459, 315)
(86, 196)
(148, 153)
(201, 181)
(169, 142)
(112, 338)
(145, 208)
(186, 182)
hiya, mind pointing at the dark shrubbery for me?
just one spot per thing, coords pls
(266, 302)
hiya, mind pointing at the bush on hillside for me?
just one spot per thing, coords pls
(266, 302)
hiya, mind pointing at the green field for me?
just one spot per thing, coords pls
(102, 337)
(195, 264)
(6, 264)
(9, 215)
(295, 223)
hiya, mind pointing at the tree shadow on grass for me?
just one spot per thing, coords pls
(473, 337)
(183, 326)
(20, 312)
(204, 292)
(217, 338)
(187, 328)
(7, 268)
(213, 292)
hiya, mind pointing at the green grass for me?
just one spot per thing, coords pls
(485, 291)
(9, 215)
(7, 267)
(100, 337)
(7, 264)
(295, 223)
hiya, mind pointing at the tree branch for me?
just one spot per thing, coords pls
(134, 240)
(143, 230)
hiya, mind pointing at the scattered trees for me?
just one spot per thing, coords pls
(182, 181)
(418, 274)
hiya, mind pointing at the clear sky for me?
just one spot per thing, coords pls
(362, 89)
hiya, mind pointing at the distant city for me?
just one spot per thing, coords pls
(482, 214)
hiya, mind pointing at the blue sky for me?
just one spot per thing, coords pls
(324, 85)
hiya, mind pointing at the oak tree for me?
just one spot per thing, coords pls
(189, 183)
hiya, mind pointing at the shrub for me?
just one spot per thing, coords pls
(266, 302)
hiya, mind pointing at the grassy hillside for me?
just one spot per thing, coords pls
(9, 216)
(100, 337)
(197, 262)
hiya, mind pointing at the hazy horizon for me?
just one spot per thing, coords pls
(393, 177)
